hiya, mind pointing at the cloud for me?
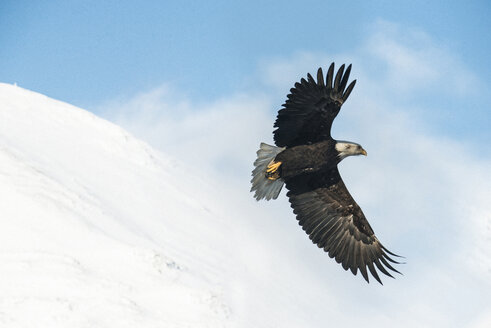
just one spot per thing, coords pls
(426, 194)
(415, 62)
(203, 135)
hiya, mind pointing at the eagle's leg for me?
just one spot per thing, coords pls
(272, 171)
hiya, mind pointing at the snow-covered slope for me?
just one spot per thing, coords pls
(99, 230)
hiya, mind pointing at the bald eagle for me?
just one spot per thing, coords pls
(305, 159)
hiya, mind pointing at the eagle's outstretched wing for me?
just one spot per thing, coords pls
(307, 115)
(332, 219)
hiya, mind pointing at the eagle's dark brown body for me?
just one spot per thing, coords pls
(297, 160)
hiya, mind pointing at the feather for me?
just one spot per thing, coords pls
(388, 258)
(385, 249)
(338, 78)
(349, 253)
(354, 257)
(388, 265)
(348, 91)
(381, 268)
(363, 270)
(320, 78)
(330, 74)
(340, 244)
(374, 272)
(344, 81)
(310, 78)
(362, 262)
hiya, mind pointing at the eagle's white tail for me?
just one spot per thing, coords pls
(261, 185)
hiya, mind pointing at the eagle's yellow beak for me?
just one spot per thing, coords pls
(364, 152)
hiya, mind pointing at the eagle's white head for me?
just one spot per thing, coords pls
(346, 148)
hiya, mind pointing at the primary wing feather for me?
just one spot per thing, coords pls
(332, 219)
(307, 115)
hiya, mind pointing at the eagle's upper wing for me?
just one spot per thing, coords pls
(307, 114)
(333, 221)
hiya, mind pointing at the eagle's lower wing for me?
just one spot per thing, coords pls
(333, 221)
(307, 114)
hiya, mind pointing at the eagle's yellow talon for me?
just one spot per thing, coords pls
(272, 171)
(273, 167)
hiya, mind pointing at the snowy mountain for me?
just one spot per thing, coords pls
(98, 229)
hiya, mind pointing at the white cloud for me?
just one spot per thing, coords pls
(482, 321)
(426, 196)
(204, 135)
(415, 62)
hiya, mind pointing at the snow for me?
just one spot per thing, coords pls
(98, 229)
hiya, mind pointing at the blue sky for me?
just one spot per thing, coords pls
(90, 52)
(85, 52)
